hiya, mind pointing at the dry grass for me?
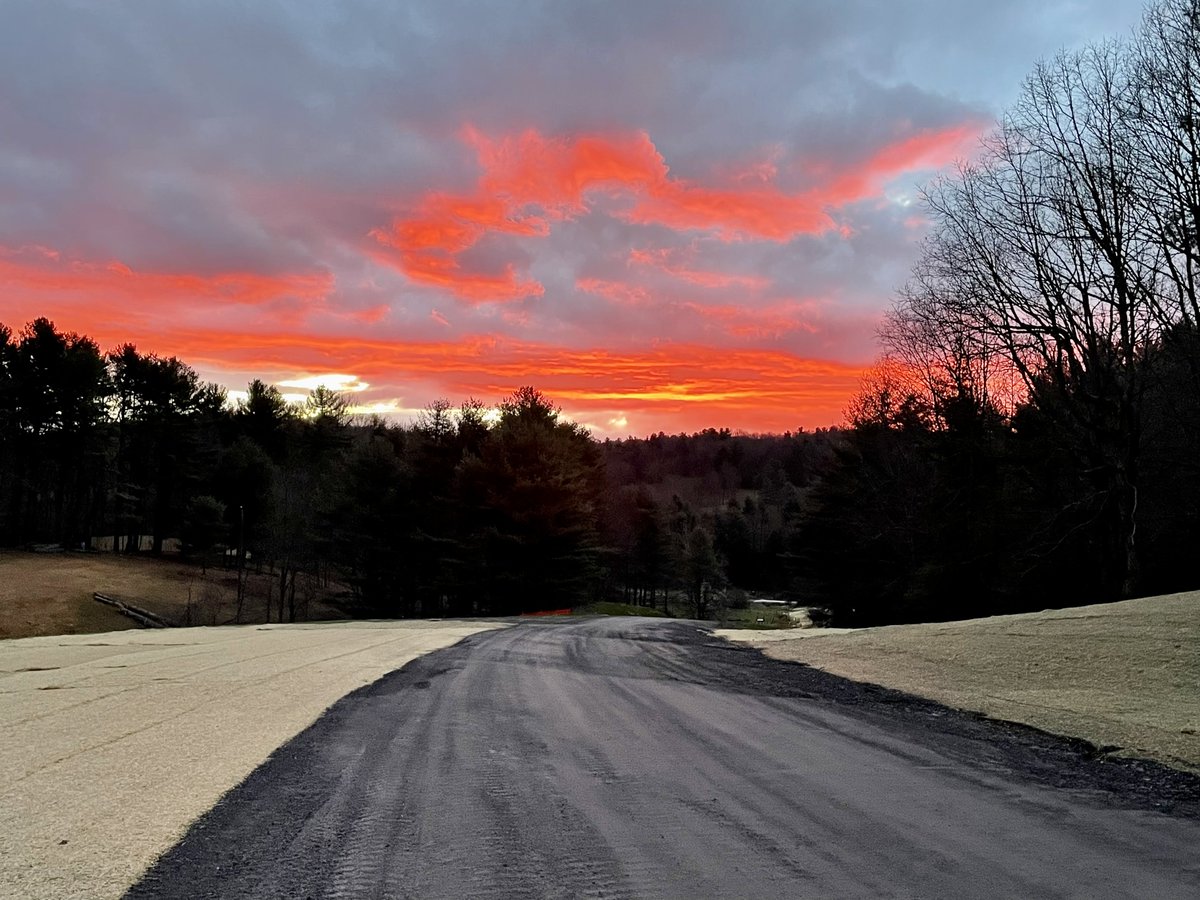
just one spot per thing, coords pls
(51, 593)
(1123, 675)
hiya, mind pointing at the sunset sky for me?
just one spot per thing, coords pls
(665, 215)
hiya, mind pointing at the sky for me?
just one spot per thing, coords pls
(667, 215)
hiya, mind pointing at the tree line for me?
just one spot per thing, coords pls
(468, 510)
(919, 510)
(451, 515)
(1033, 429)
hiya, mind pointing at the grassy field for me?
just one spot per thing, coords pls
(757, 618)
(610, 608)
(1125, 676)
(51, 593)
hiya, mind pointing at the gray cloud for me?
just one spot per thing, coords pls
(273, 136)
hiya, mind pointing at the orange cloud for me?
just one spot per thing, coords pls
(617, 291)
(771, 321)
(555, 173)
(664, 259)
(428, 246)
(42, 273)
(924, 150)
(669, 386)
(686, 387)
(750, 322)
(529, 181)
(733, 214)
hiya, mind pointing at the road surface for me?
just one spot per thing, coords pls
(635, 758)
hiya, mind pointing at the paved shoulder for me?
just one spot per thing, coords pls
(614, 758)
(111, 744)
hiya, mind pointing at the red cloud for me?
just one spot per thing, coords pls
(40, 272)
(733, 214)
(428, 245)
(766, 322)
(555, 173)
(924, 150)
(667, 259)
(529, 180)
(617, 291)
(771, 321)
(685, 387)
(670, 387)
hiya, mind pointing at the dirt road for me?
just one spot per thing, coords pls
(635, 758)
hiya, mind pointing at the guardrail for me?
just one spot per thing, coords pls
(143, 617)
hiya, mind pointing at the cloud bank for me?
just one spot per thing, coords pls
(667, 216)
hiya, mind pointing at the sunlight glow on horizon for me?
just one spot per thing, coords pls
(669, 388)
(343, 384)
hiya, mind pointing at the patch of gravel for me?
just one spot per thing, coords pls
(1007, 748)
(112, 744)
(1122, 677)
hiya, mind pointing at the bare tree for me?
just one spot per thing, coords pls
(957, 362)
(1043, 252)
(891, 394)
(1163, 112)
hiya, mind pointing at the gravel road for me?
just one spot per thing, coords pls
(635, 758)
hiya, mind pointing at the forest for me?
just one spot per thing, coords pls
(468, 510)
(1029, 438)
(911, 512)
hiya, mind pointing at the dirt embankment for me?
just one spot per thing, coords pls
(1125, 676)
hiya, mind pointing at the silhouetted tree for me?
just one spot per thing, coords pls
(53, 393)
(203, 527)
(532, 497)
